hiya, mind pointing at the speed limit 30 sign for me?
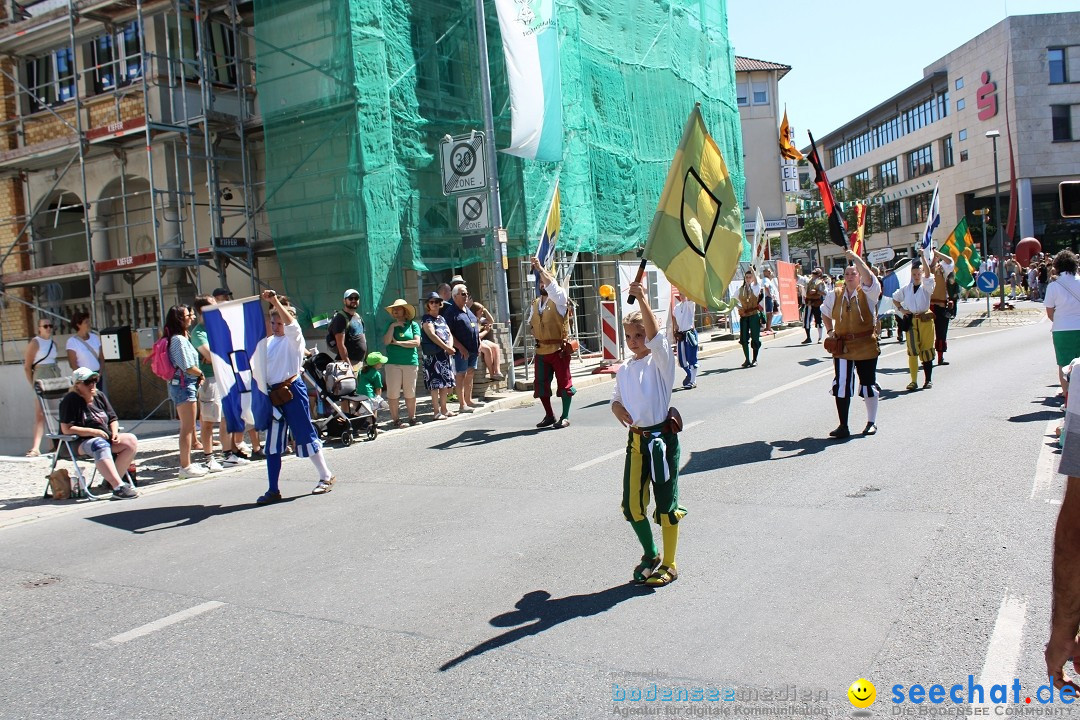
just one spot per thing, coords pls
(463, 166)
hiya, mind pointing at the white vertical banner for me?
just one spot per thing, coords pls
(531, 47)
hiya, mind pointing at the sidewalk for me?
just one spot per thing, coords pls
(23, 480)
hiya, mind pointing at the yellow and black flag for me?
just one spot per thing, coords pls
(696, 235)
(787, 148)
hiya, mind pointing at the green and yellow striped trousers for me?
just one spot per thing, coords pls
(649, 457)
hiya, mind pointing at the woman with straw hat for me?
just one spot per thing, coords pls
(402, 342)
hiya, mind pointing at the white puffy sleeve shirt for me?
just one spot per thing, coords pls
(643, 386)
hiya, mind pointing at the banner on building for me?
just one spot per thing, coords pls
(531, 46)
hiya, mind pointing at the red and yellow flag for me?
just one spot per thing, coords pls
(860, 229)
(787, 148)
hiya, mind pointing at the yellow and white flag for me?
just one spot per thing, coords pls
(696, 235)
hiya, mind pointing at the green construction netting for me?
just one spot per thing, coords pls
(356, 94)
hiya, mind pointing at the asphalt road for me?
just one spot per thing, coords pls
(478, 568)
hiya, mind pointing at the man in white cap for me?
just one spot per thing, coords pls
(86, 413)
(346, 331)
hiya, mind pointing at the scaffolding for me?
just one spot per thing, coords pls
(158, 93)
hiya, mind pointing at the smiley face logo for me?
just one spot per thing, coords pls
(862, 693)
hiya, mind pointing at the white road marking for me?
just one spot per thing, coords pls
(1004, 650)
(1044, 465)
(620, 453)
(597, 461)
(165, 622)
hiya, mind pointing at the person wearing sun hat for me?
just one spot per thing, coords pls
(402, 340)
(438, 355)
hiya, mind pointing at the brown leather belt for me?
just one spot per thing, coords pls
(290, 381)
(925, 316)
(855, 336)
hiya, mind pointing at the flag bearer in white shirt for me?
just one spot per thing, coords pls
(641, 401)
(686, 338)
(913, 300)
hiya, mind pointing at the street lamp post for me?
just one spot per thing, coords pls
(983, 212)
(994, 135)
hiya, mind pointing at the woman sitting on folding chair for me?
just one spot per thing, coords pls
(87, 413)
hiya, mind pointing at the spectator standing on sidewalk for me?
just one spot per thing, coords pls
(184, 386)
(438, 355)
(84, 347)
(402, 340)
(39, 363)
(465, 330)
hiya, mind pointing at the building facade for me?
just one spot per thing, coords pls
(758, 97)
(1020, 78)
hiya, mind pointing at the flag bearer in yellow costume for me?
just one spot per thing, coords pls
(641, 401)
(549, 320)
(850, 315)
(939, 303)
(750, 294)
(913, 300)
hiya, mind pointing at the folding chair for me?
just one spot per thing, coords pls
(49, 393)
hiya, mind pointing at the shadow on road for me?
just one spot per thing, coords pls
(145, 520)
(539, 606)
(1038, 416)
(480, 436)
(755, 452)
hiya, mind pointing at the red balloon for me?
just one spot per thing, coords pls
(1025, 249)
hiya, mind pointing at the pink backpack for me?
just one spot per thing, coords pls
(159, 360)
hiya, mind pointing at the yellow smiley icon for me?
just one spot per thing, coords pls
(862, 693)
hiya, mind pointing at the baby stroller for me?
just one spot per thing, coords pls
(339, 424)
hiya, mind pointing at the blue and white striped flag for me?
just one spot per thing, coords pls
(236, 334)
(933, 219)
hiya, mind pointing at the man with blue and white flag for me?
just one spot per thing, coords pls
(236, 332)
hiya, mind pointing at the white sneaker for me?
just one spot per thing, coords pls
(244, 448)
(192, 471)
(214, 466)
(234, 460)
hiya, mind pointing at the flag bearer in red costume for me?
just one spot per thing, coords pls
(549, 320)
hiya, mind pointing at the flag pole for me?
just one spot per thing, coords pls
(499, 266)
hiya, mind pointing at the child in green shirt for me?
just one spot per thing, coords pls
(369, 383)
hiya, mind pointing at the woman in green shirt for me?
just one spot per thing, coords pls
(402, 341)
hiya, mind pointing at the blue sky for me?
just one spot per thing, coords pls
(849, 55)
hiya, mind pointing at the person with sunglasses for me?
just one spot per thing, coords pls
(87, 413)
(465, 330)
(438, 364)
(39, 363)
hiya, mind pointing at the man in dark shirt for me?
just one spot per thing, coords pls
(347, 331)
(465, 331)
(87, 413)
